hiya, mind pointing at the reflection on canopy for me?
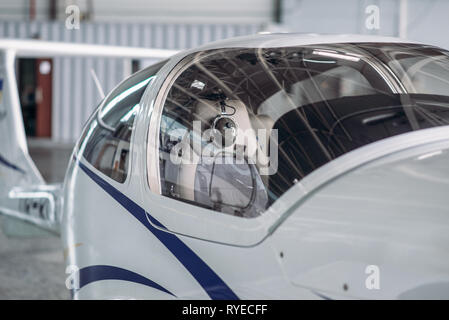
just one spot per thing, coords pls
(323, 100)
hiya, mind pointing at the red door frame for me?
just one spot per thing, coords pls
(43, 98)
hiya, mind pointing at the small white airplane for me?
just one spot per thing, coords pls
(275, 166)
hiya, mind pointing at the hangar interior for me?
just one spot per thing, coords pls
(58, 95)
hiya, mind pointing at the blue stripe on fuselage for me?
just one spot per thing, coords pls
(10, 165)
(214, 286)
(102, 272)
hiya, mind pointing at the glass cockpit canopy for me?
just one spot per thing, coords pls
(299, 108)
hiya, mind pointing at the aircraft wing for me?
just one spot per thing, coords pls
(24, 195)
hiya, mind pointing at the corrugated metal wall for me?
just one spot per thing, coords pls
(167, 11)
(74, 92)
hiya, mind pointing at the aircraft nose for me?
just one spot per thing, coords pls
(381, 231)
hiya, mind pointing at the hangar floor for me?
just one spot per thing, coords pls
(33, 267)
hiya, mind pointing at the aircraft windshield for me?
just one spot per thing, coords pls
(242, 126)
